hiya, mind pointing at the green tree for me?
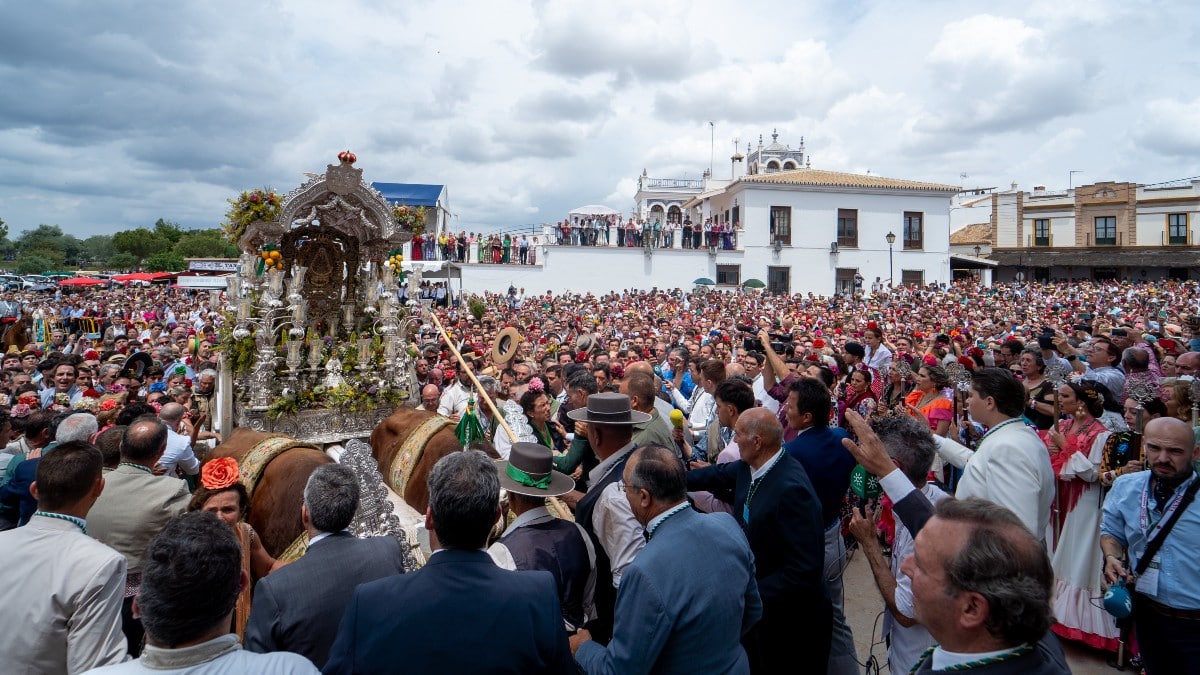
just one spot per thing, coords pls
(165, 261)
(123, 261)
(41, 238)
(35, 264)
(140, 243)
(71, 248)
(97, 249)
(3, 230)
(168, 230)
(205, 244)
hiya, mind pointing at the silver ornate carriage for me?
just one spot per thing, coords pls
(316, 341)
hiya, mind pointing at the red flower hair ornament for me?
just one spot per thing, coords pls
(219, 473)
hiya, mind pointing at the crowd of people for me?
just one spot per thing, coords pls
(611, 230)
(1001, 456)
(521, 249)
(476, 247)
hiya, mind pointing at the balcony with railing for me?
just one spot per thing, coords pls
(672, 184)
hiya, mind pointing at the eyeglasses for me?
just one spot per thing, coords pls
(622, 485)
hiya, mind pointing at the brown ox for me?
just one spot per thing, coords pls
(388, 439)
(275, 502)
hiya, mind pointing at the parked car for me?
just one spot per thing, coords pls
(10, 282)
(36, 282)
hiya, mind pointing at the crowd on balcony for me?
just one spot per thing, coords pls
(476, 247)
(647, 233)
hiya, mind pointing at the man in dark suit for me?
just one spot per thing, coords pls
(781, 515)
(819, 450)
(668, 622)
(460, 613)
(298, 607)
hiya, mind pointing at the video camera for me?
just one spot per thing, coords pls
(750, 342)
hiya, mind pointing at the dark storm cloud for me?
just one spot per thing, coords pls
(75, 75)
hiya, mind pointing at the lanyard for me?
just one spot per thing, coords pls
(754, 488)
(1144, 512)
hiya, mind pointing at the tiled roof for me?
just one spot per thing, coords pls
(975, 233)
(839, 179)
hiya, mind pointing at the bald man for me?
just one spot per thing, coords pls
(1166, 593)
(430, 397)
(777, 507)
(1188, 364)
(663, 406)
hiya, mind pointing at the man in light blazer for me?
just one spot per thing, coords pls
(298, 607)
(135, 506)
(66, 612)
(667, 621)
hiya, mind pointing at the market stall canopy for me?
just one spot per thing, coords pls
(142, 276)
(82, 281)
(410, 194)
(593, 210)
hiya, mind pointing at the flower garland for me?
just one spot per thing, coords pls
(411, 219)
(249, 206)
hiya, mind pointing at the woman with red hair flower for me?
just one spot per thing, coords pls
(222, 494)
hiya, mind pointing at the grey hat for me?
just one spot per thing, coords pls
(608, 408)
(529, 470)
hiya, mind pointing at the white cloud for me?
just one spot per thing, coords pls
(1169, 126)
(113, 116)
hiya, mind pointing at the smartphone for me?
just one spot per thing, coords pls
(1119, 332)
(1046, 341)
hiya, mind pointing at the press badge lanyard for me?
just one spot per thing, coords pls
(1144, 514)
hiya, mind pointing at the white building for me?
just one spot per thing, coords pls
(795, 228)
(1106, 230)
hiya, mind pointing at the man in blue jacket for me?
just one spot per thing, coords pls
(666, 621)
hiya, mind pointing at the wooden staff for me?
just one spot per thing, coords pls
(561, 509)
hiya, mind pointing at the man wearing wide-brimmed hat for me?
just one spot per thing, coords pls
(536, 540)
(604, 512)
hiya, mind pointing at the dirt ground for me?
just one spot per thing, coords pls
(863, 607)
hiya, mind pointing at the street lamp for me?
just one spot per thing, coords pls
(891, 239)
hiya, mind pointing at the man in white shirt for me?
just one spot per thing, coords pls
(753, 363)
(455, 397)
(911, 447)
(179, 453)
(604, 512)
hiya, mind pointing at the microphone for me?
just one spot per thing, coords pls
(677, 418)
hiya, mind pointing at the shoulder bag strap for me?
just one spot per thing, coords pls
(1157, 542)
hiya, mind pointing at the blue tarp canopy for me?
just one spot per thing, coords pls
(410, 194)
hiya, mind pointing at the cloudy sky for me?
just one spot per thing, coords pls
(114, 114)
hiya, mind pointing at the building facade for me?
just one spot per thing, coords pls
(1107, 230)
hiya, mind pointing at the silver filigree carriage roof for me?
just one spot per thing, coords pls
(339, 199)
